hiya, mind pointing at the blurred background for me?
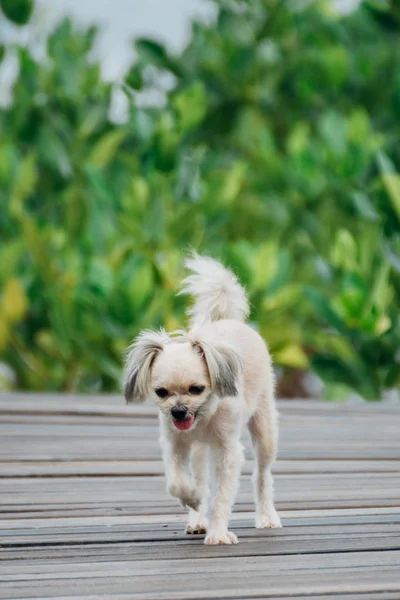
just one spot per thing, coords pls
(262, 132)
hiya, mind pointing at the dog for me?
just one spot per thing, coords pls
(208, 383)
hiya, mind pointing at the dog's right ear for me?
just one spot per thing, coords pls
(139, 359)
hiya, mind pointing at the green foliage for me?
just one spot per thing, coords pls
(18, 11)
(276, 151)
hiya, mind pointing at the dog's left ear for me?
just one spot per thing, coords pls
(139, 359)
(223, 364)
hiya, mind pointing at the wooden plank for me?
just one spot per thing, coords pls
(76, 532)
(157, 544)
(166, 511)
(16, 403)
(313, 438)
(313, 573)
(127, 467)
(310, 517)
(366, 595)
(225, 561)
(76, 448)
(107, 491)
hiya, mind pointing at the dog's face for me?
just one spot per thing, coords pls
(184, 377)
(180, 384)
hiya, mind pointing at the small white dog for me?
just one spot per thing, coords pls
(208, 383)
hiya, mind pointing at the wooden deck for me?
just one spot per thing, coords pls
(84, 512)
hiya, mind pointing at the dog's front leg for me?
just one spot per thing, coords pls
(176, 460)
(198, 519)
(228, 462)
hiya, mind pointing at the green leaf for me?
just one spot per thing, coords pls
(384, 163)
(106, 148)
(232, 183)
(332, 128)
(382, 325)
(323, 309)
(353, 298)
(190, 104)
(18, 11)
(25, 183)
(134, 78)
(14, 302)
(344, 252)
(154, 226)
(141, 285)
(391, 180)
(109, 367)
(359, 126)
(333, 370)
(152, 52)
(392, 254)
(100, 277)
(382, 292)
(292, 356)
(282, 276)
(233, 27)
(2, 52)
(37, 247)
(337, 64)
(264, 265)
(282, 299)
(10, 256)
(54, 151)
(364, 207)
(299, 138)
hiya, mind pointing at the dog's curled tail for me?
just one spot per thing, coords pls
(217, 292)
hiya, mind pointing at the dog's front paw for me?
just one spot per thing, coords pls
(269, 521)
(192, 529)
(188, 497)
(223, 537)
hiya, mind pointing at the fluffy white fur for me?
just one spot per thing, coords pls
(229, 363)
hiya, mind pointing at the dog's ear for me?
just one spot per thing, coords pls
(139, 359)
(223, 364)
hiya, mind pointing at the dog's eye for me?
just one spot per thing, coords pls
(196, 389)
(162, 392)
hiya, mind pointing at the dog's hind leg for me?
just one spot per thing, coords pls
(263, 427)
(198, 521)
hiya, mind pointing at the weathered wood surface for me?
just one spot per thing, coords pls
(84, 512)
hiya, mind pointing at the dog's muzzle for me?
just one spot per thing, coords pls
(179, 412)
(181, 417)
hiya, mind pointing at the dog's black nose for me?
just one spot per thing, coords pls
(179, 412)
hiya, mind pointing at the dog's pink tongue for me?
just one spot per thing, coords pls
(182, 425)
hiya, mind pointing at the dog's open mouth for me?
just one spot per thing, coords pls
(184, 424)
